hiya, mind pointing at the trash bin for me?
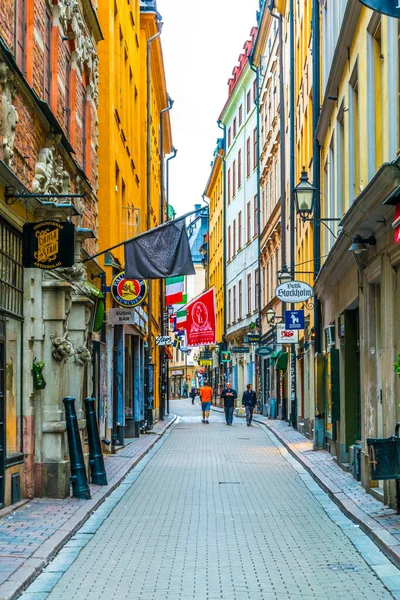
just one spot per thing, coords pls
(272, 408)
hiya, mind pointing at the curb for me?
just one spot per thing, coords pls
(22, 577)
(386, 542)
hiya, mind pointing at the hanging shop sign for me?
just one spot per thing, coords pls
(286, 336)
(163, 340)
(252, 338)
(206, 354)
(48, 245)
(240, 349)
(386, 7)
(128, 292)
(294, 319)
(205, 362)
(396, 224)
(264, 350)
(294, 292)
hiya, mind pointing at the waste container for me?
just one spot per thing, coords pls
(272, 408)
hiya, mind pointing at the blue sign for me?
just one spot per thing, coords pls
(294, 319)
(386, 7)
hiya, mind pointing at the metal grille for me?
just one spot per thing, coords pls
(11, 270)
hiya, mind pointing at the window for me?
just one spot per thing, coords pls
(234, 303)
(248, 219)
(240, 115)
(255, 148)
(20, 33)
(240, 303)
(249, 293)
(234, 127)
(229, 186)
(248, 157)
(229, 306)
(255, 91)
(234, 238)
(229, 137)
(229, 243)
(239, 230)
(67, 102)
(239, 169)
(47, 57)
(248, 102)
(256, 288)
(255, 203)
(234, 178)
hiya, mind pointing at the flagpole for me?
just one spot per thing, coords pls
(140, 235)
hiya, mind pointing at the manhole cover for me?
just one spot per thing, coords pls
(344, 568)
(229, 482)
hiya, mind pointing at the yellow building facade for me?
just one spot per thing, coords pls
(130, 197)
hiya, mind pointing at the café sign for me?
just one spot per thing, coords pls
(48, 245)
(294, 292)
(386, 7)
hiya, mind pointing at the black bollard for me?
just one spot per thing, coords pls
(80, 487)
(96, 459)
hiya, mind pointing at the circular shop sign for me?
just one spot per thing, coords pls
(264, 350)
(128, 292)
(294, 292)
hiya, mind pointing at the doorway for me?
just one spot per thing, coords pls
(2, 408)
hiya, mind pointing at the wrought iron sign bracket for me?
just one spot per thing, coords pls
(11, 196)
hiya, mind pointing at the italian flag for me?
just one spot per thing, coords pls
(174, 290)
(181, 317)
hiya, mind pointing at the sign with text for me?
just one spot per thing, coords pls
(163, 340)
(386, 7)
(48, 245)
(240, 349)
(294, 319)
(294, 292)
(203, 362)
(264, 350)
(252, 338)
(207, 354)
(286, 336)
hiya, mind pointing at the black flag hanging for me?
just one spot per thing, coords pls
(160, 252)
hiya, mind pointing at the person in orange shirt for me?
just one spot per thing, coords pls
(206, 393)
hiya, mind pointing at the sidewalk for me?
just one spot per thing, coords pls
(378, 521)
(32, 534)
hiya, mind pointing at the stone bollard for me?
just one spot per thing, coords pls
(96, 459)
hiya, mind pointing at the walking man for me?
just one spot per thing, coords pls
(206, 393)
(229, 396)
(193, 394)
(249, 401)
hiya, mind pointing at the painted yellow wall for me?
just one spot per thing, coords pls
(214, 191)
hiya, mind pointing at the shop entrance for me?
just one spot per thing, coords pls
(2, 410)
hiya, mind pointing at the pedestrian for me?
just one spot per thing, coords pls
(249, 400)
(229, 396)
(185, 390)
(193, 393)
(206, 393)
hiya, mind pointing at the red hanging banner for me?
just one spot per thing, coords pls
(200, 323)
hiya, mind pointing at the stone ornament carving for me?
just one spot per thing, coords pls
(84, 55)
(82, 356)
(9, 115)
(50, 176)
(62, 348)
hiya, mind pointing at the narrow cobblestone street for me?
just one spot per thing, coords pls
(217, 512)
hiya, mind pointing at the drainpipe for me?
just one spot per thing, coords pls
(257, 102)
(163, 357)
(319, 428)
(174, 153)
(223, 127)
(148, 194)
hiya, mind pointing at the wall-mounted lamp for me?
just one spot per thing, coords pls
(271, 314)
(284, 276)
(359, 244)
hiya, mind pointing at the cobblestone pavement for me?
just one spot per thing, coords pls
(218, 512)
(32, 533)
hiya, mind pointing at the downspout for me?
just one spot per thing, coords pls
(174, 153)
(163, 357)
(223, 127)
(148, 194)
(257, 103)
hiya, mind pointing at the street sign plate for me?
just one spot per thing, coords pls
(294, 292)
(264, 350)
(121, 316)
(205, 362)
(163, 340)
(286, 336)
(386, 7)
(240, 349)
(206, 354)
(294, 319)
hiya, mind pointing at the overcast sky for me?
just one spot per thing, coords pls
(201, 44)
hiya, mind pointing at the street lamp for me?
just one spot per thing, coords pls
(170, 310)
(358, 244)
(304, 194)
(271, 314)
(284, 276)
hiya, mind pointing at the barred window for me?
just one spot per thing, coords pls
(11, 270)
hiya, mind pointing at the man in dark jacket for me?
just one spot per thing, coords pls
(249, 401)
(229, 396)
